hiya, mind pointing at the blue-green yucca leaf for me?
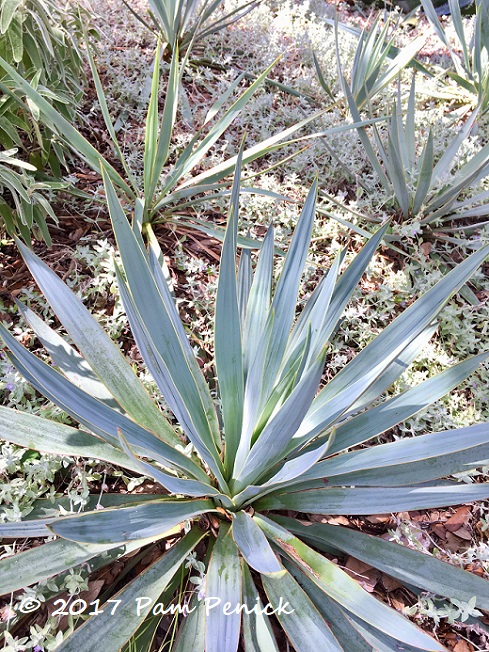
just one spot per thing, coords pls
(191, 634)
(45, 561)
(354, 634)
(149, 520)
(157, 138)
(103, 356)
(228, 345)
(425, 174)
(339, 586)
(380, 418)
(285, 296)
(394, 370)
(163, 378)
(253, 544)
(67, 359)
(301, 620)
(407, 461)
(375, 500)
(270, 445)
(290, 470)
(223, 584)
(245, 280)
(162, 324)
(404, 329)
(348, 281)
(41, 562)
(257, 631)
(92, 413)
(36, 523)
(408, 566)
(37, 433)
(181, 486)
(316, 313)
(115, 631)
(338, 405)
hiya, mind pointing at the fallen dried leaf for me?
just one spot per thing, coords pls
(458, 519)
(390, 584)
(378, 518)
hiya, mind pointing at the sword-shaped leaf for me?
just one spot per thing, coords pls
(160, 316)
(257, 631)
(136, 601)
(406, 565)
(145, 521)
(253, 544)
(93, 414)
(375, 500)
(343, 589)
(227, 333)
(299, 614)
(223, 586)
(103, 356)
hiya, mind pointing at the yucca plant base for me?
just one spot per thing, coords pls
(272, 443)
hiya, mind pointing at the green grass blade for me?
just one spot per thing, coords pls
(191, 633)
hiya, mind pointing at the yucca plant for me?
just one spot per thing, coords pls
(471, 72)
(186, 22)
(168, 189)
(419, 188)
(377, 61)
(270, 441)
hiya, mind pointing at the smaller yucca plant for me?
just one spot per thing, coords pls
(471, 72)
(169, 189)
(419, 188)
(186, 22)
(377, 61)
(272, 442)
